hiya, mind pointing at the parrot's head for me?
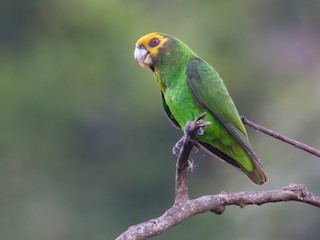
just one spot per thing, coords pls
(150, 47)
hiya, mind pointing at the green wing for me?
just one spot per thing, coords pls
(211, 94)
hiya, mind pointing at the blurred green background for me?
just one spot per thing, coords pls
(86, 146)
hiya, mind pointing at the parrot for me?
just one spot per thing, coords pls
(190, 86)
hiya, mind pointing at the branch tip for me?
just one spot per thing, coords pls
(281, 137)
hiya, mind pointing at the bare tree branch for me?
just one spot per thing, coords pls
(283, 138)
(191, 129)
(216, 203)
(184, 208)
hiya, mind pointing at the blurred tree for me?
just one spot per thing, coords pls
(81, 125)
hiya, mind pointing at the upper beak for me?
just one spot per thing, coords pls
(142, 55)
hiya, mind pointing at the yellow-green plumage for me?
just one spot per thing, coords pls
(189, 87)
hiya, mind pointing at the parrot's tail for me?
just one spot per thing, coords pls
(257, 175)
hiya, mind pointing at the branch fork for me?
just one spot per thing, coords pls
(184, 208)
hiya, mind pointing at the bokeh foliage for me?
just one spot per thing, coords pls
(86, 147)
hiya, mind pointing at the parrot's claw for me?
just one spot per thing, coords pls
(201, 124)
(197, 126)
(200, 131)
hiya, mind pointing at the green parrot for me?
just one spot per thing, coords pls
(190, 86)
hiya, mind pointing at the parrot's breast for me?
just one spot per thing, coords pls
(184, 108)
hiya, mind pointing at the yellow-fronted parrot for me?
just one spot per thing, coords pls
(190, 86)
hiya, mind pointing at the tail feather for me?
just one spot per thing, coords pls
(257, 176)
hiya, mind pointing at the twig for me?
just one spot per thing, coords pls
(184, 208)
(283, 138)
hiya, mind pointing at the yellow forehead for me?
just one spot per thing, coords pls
(145, 42)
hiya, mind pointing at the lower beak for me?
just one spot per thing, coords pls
(142, 56)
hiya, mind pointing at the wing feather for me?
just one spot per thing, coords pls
(210, 93)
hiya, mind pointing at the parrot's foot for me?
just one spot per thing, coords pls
(191, 128)
(186, 133)
(200, 131)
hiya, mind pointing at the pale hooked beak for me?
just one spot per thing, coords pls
(142, 56)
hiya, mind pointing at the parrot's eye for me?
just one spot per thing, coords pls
(154, 42)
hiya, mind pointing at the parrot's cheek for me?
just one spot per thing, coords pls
(148, 60)
(142, 56)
